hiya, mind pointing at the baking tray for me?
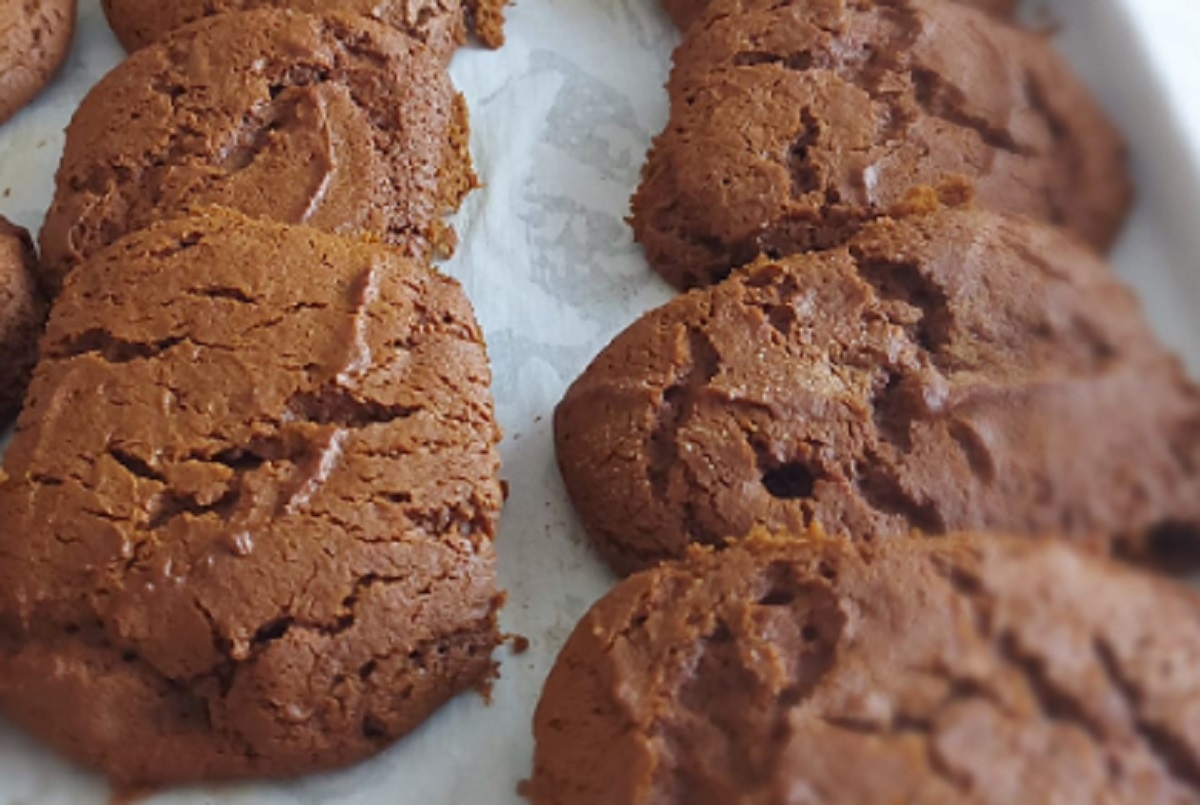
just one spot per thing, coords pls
(561, 118)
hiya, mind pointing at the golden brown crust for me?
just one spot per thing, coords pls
(973, 671)
(22, 315)
(685, 12)
(793, 123)
(959, 371)
(335, 121)
(250, 508)
(35, 38)
(486, 20)
(438, 24)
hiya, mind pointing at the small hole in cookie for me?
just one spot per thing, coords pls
(790, 481)
(780, 586)
(827, 571)
(810, 634)
(273, 630)
(373, 729)
(129, 657)
(777, 598)
(367, 669)
(1174, 544)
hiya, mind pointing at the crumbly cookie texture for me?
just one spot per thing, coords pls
(22, 315)
(335, 121)
(485, 18)
(438, 24)
(954, 371)
(954, 670)
(35, 38)
(793, 123)
(250, 506)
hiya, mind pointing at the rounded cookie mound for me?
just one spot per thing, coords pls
(793, 123)
(35, 37)
(250, 506)
(684, 12)
(437, 23)
(334, 121)
(952, 670)
(22, 315)
(956, 371)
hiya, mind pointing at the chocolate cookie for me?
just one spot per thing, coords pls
(793, 122)
(250, 507)
(957, 670)
(35, 37)
(22, 315)
(685, 12)
(958, 371)
(335, 121)
(437, 23)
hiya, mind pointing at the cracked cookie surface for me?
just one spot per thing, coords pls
(684, 12)
(952, 670)
(792, 123)
(22, 315)
(334, 121)
(955, 371)
(250, 506)
(35, 38)
(436, 23)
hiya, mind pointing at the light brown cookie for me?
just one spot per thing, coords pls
(793, 122)
(486, 20)
(22, 315)
(959, 371)
(250, 506)
(335, 121)
(955, 671)
(437, 23)
(35, 37)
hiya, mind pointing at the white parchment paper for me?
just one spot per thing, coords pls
(561, 119)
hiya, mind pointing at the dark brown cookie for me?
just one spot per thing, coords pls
(956, 671)
(22, 315)
(250, 508)
(961, 371)
(437, 23)
(795, 121)
(35, 37)
(335, 121)
(685, 12)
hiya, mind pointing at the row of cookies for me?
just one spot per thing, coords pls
(901, 344)
(249, 506)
